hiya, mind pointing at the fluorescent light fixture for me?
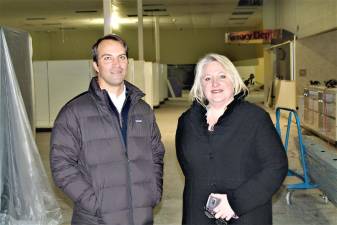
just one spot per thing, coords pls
(121, 21)
(96, 21)
(128, 20)
(115, 19)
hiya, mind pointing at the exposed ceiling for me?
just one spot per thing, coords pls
(49, 15)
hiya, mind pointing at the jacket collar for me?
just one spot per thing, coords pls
(199, 112)
(196, 106)
(132, 91)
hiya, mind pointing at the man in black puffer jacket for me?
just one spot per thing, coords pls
(106, 149)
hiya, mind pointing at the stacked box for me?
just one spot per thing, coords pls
(320, 112)
(331, 127)
(308, 116)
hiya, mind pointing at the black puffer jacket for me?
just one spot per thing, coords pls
(243, 157)
(108, 181)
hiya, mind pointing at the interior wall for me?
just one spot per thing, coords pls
(259, 68)
(260, 71)
(184, 46)
(131, 37)
(314, 22)
(306, 18)
(64, 45)
(269, 14)
(317, 55)
(41, 45)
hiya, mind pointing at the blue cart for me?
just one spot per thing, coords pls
(306, 183)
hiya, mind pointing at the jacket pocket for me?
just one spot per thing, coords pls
(155, 197)
(95, 177)
(82, 216)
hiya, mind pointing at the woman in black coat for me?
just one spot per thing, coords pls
(227, 148)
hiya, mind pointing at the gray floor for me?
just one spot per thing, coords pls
(308, 208)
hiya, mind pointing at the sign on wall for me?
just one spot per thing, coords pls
(252, 37)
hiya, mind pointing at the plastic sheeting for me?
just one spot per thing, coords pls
(26, 197)
(20, 49)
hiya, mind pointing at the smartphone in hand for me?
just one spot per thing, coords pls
(213, 202)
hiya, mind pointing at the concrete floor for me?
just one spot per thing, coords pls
(308, 206)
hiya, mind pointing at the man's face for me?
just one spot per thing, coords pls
(112, 64)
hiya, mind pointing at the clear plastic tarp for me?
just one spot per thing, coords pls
(26, 197)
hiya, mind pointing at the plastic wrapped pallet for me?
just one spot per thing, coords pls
(26, 197)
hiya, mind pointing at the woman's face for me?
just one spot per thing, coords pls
(217, 85)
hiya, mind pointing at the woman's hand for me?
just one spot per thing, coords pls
(224, 210)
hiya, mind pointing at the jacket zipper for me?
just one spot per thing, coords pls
(128, 166)
(127, 159)
(120, 120)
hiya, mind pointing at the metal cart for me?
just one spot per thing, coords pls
(306, 184)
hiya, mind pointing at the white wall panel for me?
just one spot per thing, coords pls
(156, 84)
(130, 76)
(40, 70)
(139, 79)
(67, 79)
(163, 92)
(165, 86)
(161, 79)
(148, 78)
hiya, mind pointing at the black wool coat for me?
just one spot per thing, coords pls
(243, 157)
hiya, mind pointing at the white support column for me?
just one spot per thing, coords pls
(157, 38)
(107, 9)
(140, 30)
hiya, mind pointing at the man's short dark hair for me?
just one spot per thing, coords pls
(113, 37)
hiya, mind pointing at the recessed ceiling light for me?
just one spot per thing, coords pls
(67, 28)
(243, 13)
(51, 24)
(238, 18)
(152, 5)
(250, 3)
(154, 10)
(36, 18)
(86, 11)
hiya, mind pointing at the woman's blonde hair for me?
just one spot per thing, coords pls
(197, 93)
